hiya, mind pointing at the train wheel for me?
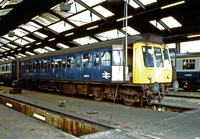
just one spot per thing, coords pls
(98, 96)
(128, 103)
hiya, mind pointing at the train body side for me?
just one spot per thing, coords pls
(188, 71)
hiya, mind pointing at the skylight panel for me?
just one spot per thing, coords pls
(5, 11)
(171, 22)
(30, 26)
(5, 48)
(29, 39)
(20, 32)
(5, 58)
(75, 7)
(40, 50)
(93, 2)
(62, 46)
(4, 41)
(85, 40)
(29, 53)
(61, 27)
(17, 56)
(83, 18)
(2, 50)
(157, 24)
(21, 42)
(112, 34)
(42, 21)
(10, 38)
(49, 17)
(130, 30)
(103, 11)
(22, 55)
(49, 49)
(133, 4)
(10, 57)
(12, 46)
(41, 35)
(146, 2)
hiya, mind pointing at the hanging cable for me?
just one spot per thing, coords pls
(125, 15)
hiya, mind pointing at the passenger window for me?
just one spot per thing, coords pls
(34, 65)
(38, 65)
(45, 64)
(117, 57)
(27, 65)
(3, 69)
(57, 63)
(42, 64)
(158, 57)
(48, 64)
(148, 56)
(30, 66)
(70, 61)
(189, 64)
(87, 60)
(52, 63)
(63, 63)
(78, 62)
(106, 58)
(96, 60)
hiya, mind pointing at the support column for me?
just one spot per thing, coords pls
(178, 47)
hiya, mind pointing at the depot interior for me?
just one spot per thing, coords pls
(36, 27)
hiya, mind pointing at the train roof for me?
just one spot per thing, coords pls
(148, 37)
(187, 55)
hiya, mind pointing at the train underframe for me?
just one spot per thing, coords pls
(128, 93)
(189, 85)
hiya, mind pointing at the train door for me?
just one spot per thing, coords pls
(105, 68)
(86, 71)
(70, 74)
(117, 63)
(78, 68)
(57, 68)
(64, 69)
(96, 67)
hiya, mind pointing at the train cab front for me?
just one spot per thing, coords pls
(152, 69)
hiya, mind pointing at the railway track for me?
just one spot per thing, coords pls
(73, 125)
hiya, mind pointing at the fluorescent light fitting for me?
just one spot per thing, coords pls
(12, 51)
(120, 19)
(19, 49)
(54, 6)
(38, 43)
(35, 17)
(193, 36)
(69, 34)
(6, 53)
(93, 27)
(9, 105)
(4, 4)
(173, 4)
(39, 117)
(52, 39)
(28, 46)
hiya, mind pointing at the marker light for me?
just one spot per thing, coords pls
(149, 77)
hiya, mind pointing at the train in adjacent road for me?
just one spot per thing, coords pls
(140, 73)
(188, 70)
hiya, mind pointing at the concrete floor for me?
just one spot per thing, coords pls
(136, 121)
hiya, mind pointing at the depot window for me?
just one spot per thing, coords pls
(189, 64)
(106, 58)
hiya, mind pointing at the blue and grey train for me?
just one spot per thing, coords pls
(188, 70)
(140, 73)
